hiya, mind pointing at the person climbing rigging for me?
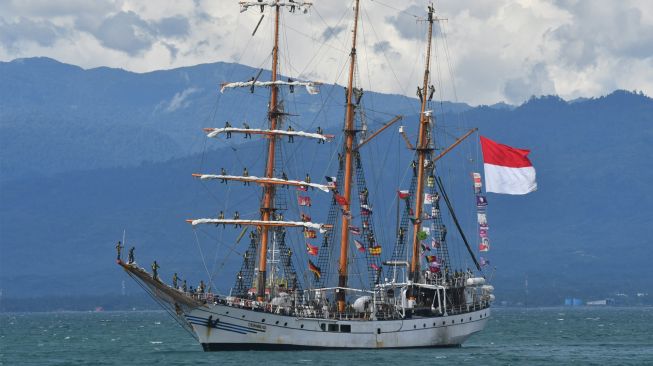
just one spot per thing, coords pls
(246, 174)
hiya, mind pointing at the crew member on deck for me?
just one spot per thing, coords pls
(291, 138)
(308, 179)
(320, 132)
(130, 258)
(247, 134)
(246, 174)
(184, 287)
(237, 217)
(155, 270)
(174, 280)
(119, 247)
(223, 171)
(228, 125)
(221, 217)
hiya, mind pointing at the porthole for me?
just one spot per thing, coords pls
(452, 321)
(434, 324)
(470, 318)
(262, 320)
(285, 324)
(227, 312)
(302, 326)
(443, 322)
(461, 320)
(415, 326)
(277, 322)
(424, 325)
(243, 316)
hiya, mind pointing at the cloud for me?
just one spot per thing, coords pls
(173, 27)
(41, 32)
(179, 100)
(332, 32)
(126, 32)
(497, 49)
(407, 26)
(538, 82)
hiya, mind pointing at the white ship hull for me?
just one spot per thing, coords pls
(220, 327)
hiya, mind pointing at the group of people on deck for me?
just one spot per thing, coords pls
(177, 284)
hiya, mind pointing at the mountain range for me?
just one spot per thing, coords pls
(86, 154)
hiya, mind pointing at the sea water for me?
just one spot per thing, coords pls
(558, 336)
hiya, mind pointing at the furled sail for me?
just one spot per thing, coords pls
(213, 132)
(308, 225)
(311, 86)
(277, 181)
(301, 5)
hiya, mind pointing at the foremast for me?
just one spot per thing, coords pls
(423, 149)
(350, 135)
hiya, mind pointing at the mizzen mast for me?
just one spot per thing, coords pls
(423, 148)
(350, 135)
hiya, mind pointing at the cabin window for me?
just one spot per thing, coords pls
(378, 330)
(302, 326)
(285, 324)
(323, 326)
(345, 328)
(333, 327)
(277, 322)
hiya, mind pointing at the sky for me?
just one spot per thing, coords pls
(486, 51)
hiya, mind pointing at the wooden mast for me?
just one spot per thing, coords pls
(422, 149)
(268, 196)
(350, 133)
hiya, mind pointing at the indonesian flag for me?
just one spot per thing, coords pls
(403, 194)
(304, 201)
(375, 267)
(507, 169)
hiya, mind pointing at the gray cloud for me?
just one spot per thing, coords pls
(598, 31)
(42, 32)
(126, 32)
(407, 25)
(538, 82)
(173, 27)
(332, 32)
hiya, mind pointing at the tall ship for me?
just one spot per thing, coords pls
(339, 286)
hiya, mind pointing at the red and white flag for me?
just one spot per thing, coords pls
(507, 169)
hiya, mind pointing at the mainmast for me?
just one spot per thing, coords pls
(422, 150)
(268, 195)
(350, 133)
